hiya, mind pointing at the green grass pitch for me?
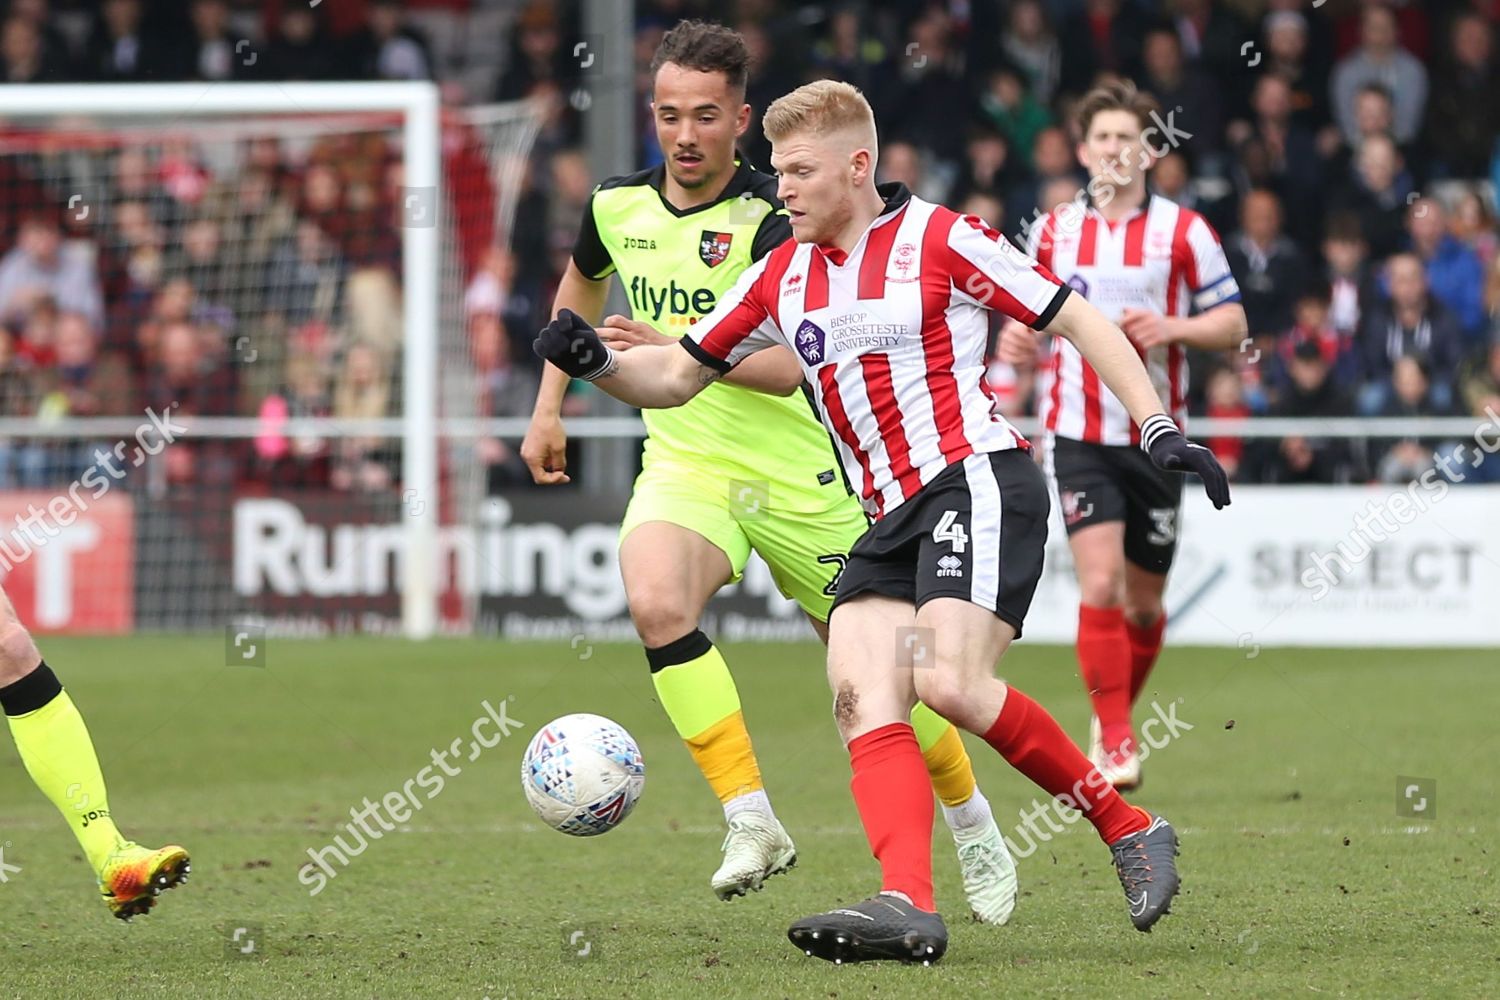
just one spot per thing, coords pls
(1300, 874)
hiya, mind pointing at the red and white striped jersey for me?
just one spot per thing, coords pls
(1164, 258)
(891, 337)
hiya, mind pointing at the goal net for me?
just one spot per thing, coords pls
(239, 377)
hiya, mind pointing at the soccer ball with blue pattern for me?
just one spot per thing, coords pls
(582, 774)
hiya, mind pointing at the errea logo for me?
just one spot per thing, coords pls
(635, 243)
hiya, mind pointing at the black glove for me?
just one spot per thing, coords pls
(1169, 450)
(574, 346)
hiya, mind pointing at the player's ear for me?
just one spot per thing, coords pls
(1082, 152)
(742, 120)
(861, 165)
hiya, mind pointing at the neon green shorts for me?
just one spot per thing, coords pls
(805, 547)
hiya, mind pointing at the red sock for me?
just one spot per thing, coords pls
(1104, 660)
(1034, 744)
(894, 797)
(1145, 646)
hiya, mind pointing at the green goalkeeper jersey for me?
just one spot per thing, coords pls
(674, 264)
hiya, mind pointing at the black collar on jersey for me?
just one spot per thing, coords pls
(738, 184)
(894, 194)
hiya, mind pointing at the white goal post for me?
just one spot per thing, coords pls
(418, 105)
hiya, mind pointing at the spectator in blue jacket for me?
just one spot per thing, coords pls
(1454, 273)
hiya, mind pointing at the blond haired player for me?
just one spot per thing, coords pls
(733, 470)
(882, 296)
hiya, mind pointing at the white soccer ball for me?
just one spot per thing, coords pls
(583, 774)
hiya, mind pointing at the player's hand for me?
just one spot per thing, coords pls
(620, 333)
(1147, 329)
(1171, 451)
(545, 450)
(574, 346)
(1018, 344)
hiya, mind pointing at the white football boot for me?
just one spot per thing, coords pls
(756, 847)
(989, 873)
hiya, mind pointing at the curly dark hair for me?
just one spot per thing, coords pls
(706, 47)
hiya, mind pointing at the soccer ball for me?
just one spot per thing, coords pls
(582, 774)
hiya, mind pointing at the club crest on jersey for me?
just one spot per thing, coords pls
(1079, 284)
(810, 342)
(713, 248)
(903, 260)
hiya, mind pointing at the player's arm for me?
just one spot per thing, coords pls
(1105, 347)
(545, 447)
(650, 376)
(992, 272)
(586, 297)
(658, 376)
(775, 371)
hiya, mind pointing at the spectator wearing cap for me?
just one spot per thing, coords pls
(1454, 273)
(42, 264)
(1313, 326)
(1411, 323)
(1380, 59)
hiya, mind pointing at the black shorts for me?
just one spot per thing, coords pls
(1098, 483)
(977, 532)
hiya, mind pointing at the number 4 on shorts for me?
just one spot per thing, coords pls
(949, 530)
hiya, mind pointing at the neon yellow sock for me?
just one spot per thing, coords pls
(948, 763)
(59, 756)
(704, 705)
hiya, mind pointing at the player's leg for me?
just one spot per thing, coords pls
(55, 747)
(1145, 623)
(671, 568)
(1152, 524)
(806, 554)
(873, 699)
(979, 562)
(1094, 512)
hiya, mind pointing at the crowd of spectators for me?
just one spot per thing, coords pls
(1346, 152)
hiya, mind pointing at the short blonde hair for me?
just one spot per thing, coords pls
(820, 107)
